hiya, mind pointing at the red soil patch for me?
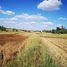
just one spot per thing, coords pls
(4, 38)
(9, 45)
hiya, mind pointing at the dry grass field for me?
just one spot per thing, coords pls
(33, 49)
(56, 45)
(9, 45)
(57, 49)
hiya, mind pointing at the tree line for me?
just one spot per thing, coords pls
(58, 30)
(2, 28)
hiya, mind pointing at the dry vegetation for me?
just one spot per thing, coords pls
(9, 45)
(33, 49)
(57, 47)
(33, 55)
(51, 35)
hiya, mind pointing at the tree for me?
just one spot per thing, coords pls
(2, 28)
(53, 31)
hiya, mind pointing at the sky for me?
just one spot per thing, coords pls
(33, 14)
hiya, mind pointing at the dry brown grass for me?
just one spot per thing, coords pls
(9, 45)
(57, 49)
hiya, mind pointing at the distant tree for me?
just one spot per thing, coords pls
(16, 30)
(57, 28)
(2, 28)
(53, 31)
(13, 30)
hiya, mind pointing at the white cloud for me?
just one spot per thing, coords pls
(6, 20)
(33, 22)
(9, 20)
(50, 5)
(59, 25)
(45, 26)
(47, 23)
(7, 12)
(62, 18)
(28, 23)
(26, 16)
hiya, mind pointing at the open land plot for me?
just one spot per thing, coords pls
(9, 46)
(34, 54)
(38, 50)
(51, 35)
(57, 49)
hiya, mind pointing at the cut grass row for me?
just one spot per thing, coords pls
(50, 35)
(61, 43)
(34, 54)
(59, 55)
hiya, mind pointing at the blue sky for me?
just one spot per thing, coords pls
(33, 14)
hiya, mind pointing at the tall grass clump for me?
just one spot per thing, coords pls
(49, 61)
